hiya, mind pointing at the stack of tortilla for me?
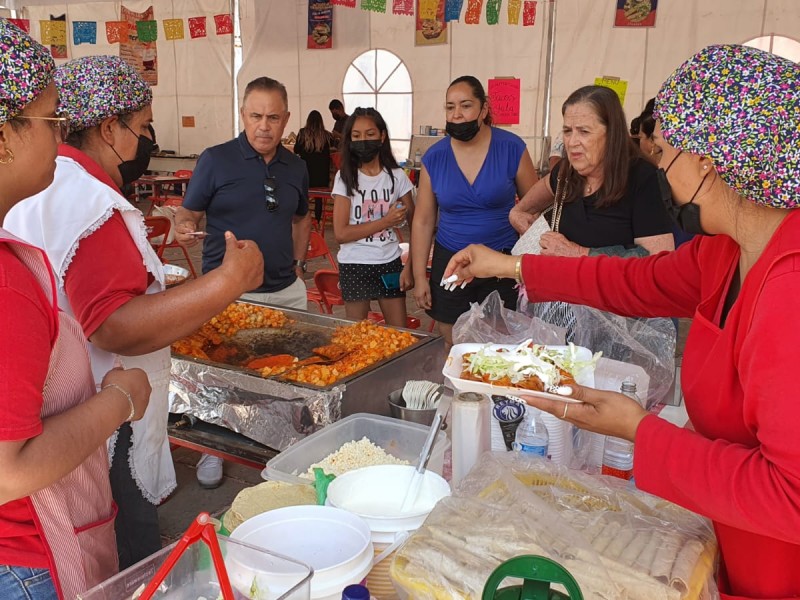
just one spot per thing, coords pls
(264, 497)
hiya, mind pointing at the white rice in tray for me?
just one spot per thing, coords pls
(354, 455)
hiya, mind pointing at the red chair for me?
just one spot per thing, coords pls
(318, 248)
(176, 198)
(378, 319)
(158, 229)
(322, 195)
(330, 294)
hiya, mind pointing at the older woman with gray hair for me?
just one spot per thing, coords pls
(110, 279)
(728, 126)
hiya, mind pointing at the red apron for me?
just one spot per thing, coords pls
(75, 515)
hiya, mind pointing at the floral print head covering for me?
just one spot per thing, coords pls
(26, 69)
(740, 107)
(94, 88)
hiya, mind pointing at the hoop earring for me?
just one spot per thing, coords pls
(8, 159)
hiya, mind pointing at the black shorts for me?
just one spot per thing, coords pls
(363, 282)
(446, 306)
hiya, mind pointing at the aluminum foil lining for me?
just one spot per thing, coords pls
(273, 413)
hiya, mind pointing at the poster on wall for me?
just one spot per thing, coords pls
(620, 86)
(143, 56)
(635, 13)
(504, 98)
(320, 25)
(431, 29)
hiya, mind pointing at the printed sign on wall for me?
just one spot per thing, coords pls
(504, 100)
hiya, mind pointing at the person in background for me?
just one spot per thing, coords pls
(110, 279)
(636, 125)
(556, 150)
(372, 196)
(257, 189)
(337, 112)
(313, 145)
(54, 422)
(470, 180)
(647, 125)
(738, 190)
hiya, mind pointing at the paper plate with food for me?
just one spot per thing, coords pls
(523, 369)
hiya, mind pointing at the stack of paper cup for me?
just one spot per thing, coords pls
(559, 447)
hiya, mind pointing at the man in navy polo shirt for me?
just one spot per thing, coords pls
(257, 189)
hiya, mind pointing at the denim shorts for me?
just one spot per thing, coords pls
(24, 583)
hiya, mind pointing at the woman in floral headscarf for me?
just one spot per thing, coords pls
(729, 129)
(110, 279)
(56, 511)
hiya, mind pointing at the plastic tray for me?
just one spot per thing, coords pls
(399, 438)
(194, 576)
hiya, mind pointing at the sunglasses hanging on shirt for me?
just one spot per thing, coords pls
(270, 193)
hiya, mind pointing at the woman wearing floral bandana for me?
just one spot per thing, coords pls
(109, 278)
(729, 129)
(56, 509)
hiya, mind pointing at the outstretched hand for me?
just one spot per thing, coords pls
(607, 413)
(479, 261)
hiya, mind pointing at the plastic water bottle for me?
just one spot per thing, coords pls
(618, 453)
(532, 437)
(399, 204)
(417, 158)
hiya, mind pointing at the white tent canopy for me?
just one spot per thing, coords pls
(195, 76)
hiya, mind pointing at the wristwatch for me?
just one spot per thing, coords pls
(302, 264)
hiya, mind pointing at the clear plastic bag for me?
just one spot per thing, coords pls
(492, 323)
(648, 343)
(618, 542)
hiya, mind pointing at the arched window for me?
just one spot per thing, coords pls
(777, 44)
(379, 79)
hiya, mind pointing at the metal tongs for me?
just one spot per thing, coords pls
(201, 528)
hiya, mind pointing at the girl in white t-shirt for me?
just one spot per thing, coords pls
(372, 196)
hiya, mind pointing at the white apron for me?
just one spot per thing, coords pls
(74, 206)
(75, 514)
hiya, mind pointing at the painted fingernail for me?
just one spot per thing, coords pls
(564, 390)
(463, 285)
(453, 278)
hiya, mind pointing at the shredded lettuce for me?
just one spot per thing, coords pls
(529, 359)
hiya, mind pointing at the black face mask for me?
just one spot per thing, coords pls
(365, 150)
(686, 216)
(463, 132)
(131, 170)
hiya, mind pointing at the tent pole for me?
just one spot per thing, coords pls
(548, 85)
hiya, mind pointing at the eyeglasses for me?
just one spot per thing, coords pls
(60, 123)
(270, 191)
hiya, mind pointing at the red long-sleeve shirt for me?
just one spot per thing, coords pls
(741, 465)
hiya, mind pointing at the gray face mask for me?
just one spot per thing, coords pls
(686, 216)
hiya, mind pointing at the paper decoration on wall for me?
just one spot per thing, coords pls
(320, 25)
(147, 31)
(403, 7)
(504, 98)
(529, 13)
(53, 33)
(224, 24)
(173, 29)
(452, 10)
(635, 13)
(347, 3)
(493, 11)
(116, 31)
(514, 8)
(143, 56)
(84, 32)
(197, 27)
(24, 24)
(433, 31)
(473, 16)
(426, 9)
(620, 86)
(374, 5)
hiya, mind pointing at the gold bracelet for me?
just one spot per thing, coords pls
(127, 395)
(518, 271)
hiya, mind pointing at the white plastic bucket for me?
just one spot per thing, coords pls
(336, 543)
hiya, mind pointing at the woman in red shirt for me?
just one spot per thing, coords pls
(53, 425)
(729, 131)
